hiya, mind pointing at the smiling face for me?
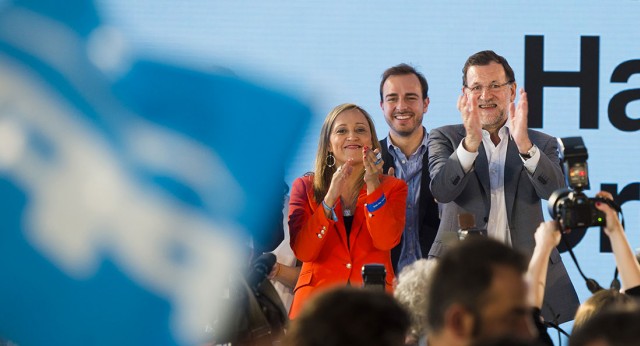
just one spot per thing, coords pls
(349, 134)
(402, 104)
(493, 102)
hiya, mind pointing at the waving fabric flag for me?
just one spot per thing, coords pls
(128, 189)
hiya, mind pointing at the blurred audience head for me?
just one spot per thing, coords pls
(508, 340)
(411, 290)
(600, 301)
(615, 327)
(349, 316)
(478, 291)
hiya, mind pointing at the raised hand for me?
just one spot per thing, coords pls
(548, 235)
(338, 183)
(622, 252)
(372, 160)
(468, 107)
(613, 222)
(519, 117)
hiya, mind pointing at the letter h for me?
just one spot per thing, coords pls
(587, 79)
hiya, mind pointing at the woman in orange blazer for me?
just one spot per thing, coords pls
(346, 214)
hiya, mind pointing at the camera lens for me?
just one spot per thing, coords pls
(555, 200)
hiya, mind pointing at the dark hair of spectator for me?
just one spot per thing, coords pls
(349, 316)
(464, 275)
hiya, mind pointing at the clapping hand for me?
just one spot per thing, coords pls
(372, 160)
(519, 117)
(338, 182)
(468, 107)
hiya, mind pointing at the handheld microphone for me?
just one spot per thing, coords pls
(467, 224)
(260, 269)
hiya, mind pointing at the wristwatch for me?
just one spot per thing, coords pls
(530, 153)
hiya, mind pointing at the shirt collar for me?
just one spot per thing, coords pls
(504, 131)
(421, 148)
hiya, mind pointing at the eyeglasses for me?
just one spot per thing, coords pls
(493, 88)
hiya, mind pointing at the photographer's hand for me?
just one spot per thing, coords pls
(625, 258)
(547, 238)
(613, 225)
(548, 235)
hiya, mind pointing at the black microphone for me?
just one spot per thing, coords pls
(615, 284)
(260, 269)
(593, 286)
(374, 276)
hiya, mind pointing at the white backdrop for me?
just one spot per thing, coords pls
(329, 52)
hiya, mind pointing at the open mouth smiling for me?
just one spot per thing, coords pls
(403, 116)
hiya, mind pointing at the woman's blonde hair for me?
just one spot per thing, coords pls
(324, 173)
(601, 301)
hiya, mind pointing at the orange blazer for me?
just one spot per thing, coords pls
(321, 243)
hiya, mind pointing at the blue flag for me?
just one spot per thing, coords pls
(129, 189)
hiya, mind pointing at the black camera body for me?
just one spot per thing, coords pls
(572, 208)
(575, 209)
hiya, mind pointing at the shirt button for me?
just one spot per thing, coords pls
(322, 232)
(404, 161)
(319, 236)
(348, 265)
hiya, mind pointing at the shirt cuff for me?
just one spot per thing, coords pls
(466, 158)
(532, 163)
